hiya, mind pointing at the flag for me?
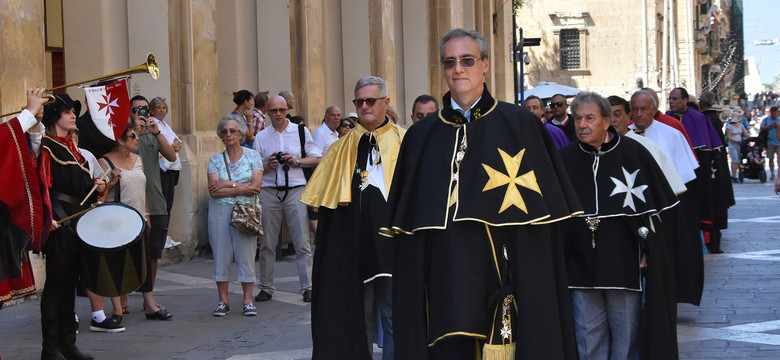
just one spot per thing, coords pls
(712, 21)
(109, 107)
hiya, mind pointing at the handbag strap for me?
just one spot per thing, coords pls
(118, 187)
(227, 166)
(302, 138)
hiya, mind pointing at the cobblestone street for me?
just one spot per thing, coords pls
(737, 318)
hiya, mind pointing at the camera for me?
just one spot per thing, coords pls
(143, 111)
(278, 156)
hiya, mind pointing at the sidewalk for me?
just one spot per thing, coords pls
(738, 317)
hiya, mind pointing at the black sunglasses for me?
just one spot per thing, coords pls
(556, 104)
(348, 124)
(369, 101)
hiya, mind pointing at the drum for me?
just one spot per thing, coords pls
(113, 260)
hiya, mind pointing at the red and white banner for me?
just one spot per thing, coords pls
(109, 107)
(712, 23)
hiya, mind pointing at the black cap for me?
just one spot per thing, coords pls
(51, 112)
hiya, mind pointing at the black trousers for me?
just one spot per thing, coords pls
(59, 293)
(168, 181)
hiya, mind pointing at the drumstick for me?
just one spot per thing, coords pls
(75, 215)
(93, 189)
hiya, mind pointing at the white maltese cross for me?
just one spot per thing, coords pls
(629, 189)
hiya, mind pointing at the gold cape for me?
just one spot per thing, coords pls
(329, 186)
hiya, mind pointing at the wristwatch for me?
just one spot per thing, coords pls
(297, 163)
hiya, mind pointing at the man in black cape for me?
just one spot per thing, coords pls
(353, 263)
(478, 197)
(617, 260)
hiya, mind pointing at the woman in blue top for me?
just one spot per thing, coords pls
(242, 184)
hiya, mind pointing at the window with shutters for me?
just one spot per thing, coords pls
(570, 49)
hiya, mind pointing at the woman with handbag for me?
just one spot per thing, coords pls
(234, 177)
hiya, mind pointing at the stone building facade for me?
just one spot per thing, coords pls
(616, 47)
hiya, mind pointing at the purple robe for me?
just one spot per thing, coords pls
(700, 129)
(559, 137)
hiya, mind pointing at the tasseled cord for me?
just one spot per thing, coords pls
(505, 350)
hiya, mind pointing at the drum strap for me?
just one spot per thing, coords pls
(57, 207)
(118, 188)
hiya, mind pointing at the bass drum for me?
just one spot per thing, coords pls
(113, 260)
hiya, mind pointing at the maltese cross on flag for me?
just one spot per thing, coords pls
(109, 106)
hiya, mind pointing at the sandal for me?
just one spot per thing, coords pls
(117, 319)
(159, 315)
(125, 310)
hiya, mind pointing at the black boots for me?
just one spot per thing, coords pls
(51, 341)
(59, 340)
(67, 333)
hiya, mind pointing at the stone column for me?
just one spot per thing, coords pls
(500, 79)
(355, 40)
(194, 83)
(21, 52)
(381, 34)
(307, 52)
(445, 15)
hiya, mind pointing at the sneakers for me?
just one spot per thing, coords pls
(169, 242)
(107, 325)
(263, 296)
(222, 309)
(250, 310)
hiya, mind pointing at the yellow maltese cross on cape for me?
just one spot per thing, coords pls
(511, 180)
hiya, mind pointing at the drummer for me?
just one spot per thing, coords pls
(67, 175)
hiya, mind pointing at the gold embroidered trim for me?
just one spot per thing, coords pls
(26, 184)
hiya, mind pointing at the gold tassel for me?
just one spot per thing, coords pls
(505, 350)
(498, 352)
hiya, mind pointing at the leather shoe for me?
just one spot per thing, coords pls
(263, 296)
(73, 353)
(306, 295)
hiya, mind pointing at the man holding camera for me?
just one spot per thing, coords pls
(280, 147)
(150, 143)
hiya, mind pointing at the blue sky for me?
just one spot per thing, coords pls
(762, 22)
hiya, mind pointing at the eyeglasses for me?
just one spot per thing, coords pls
(133, 135)
(465, 62)
(280, 110)
(232, 131)
(556, 104)
(369, 101)
(348, 124)
(159, 98)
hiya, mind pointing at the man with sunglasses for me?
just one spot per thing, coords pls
(353, 263)
(151, 143)
(476, 208)
(561, 118)
(534, 104)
